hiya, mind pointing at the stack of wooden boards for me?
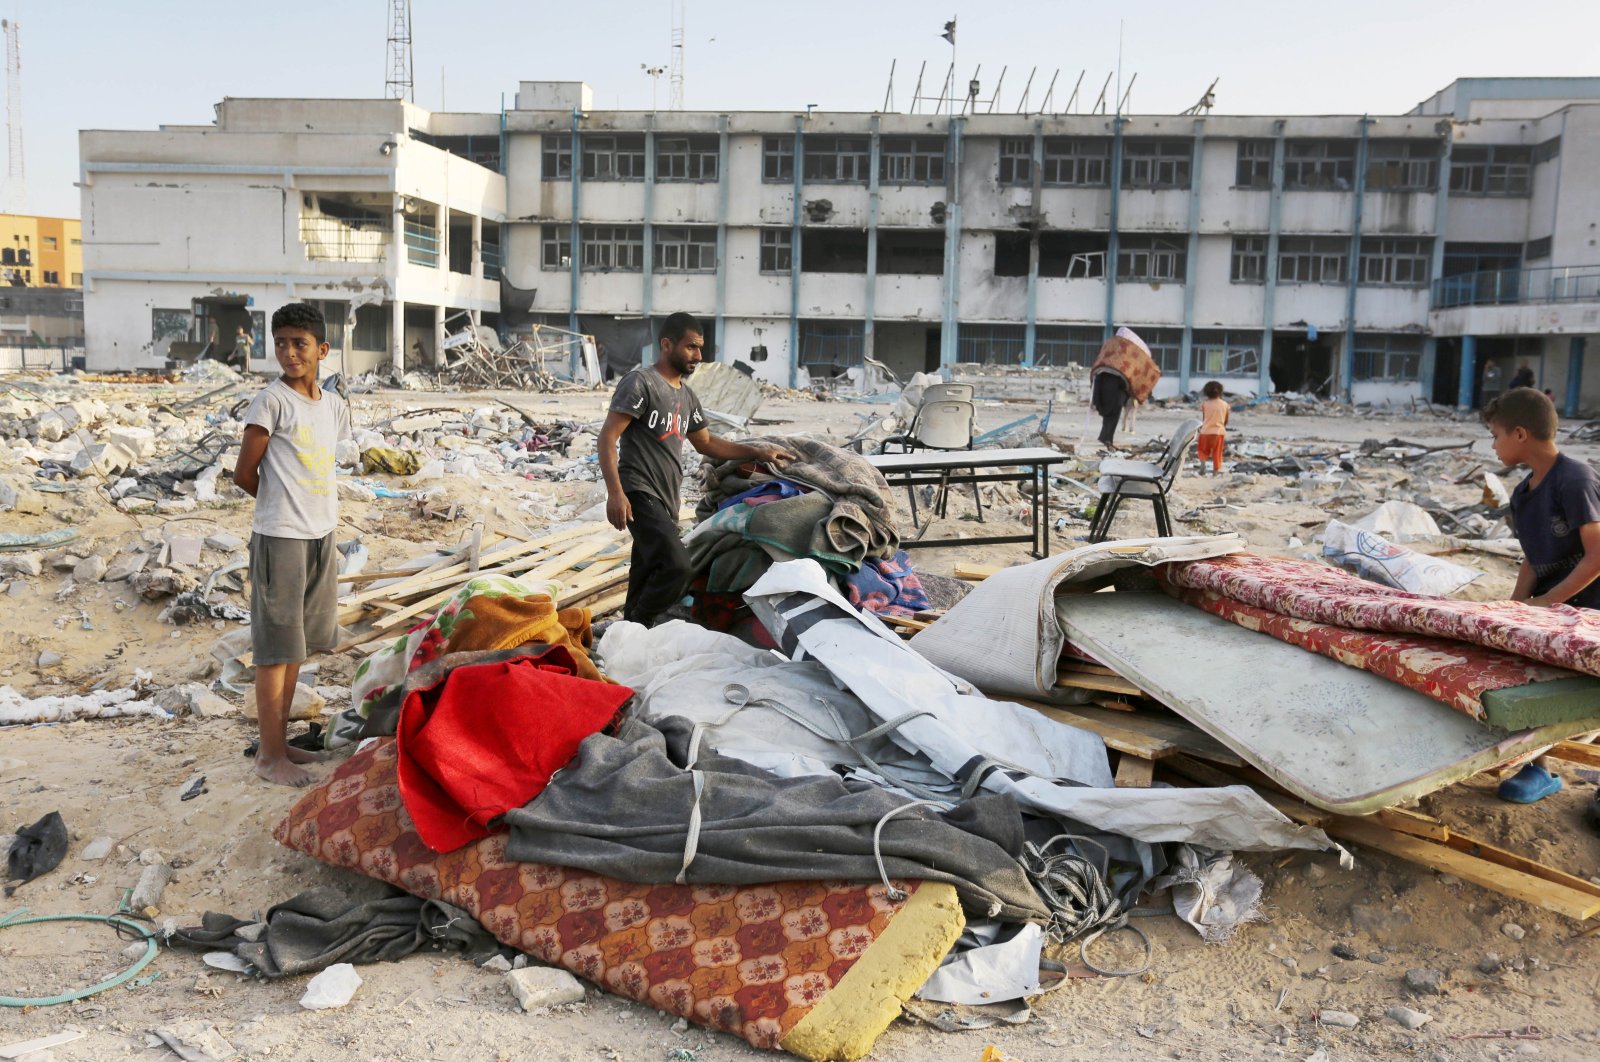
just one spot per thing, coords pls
(590, 561)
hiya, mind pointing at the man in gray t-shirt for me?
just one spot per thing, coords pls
(641, 457)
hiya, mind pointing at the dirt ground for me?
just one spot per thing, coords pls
(1255, 997)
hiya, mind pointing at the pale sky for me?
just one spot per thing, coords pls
(120, 64)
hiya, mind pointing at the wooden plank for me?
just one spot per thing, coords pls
(607, 604)
(975, 572)
(1081, 668)
(504, 563)
(1103, 683)
(1122, 740)
(906, 623)
(1485, 850)
(1417, 825)
(1134, 772)
(602, 585)
(1576, 752)
(1508, 881)
(1115, 705)
(1186, 737)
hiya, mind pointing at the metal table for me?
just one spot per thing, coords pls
(924, 467)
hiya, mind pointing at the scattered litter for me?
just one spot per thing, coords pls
(331, 988)
(197, 1041)
(225, 960)
(1372, 558)
(104, 704)
(35, 850)
(195, 788)
(39, 1047)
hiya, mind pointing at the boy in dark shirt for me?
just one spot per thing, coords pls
(641, 458)
(1555, 513)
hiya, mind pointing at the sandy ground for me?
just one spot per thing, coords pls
(1256, 997)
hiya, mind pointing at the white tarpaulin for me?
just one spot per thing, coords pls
(1004, 636)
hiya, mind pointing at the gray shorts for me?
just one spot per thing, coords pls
(294, 598)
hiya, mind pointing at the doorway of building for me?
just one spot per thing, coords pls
(1301, 364)
(930, 350)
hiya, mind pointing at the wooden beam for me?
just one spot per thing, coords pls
(1576, 752)
(1134, 772)
(976, 573)
(1128, 742)
(1104, 683)
(1183, 736)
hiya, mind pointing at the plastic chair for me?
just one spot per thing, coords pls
(940, 425)
(1142, 479)
(946, 392)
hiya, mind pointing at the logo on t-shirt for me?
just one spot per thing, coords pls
(671, 421)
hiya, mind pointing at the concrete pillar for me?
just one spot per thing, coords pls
(1469, 372)
(477, 247)
(438, 337)
(397, 337)
(1269, 296)
(1575, 347)
(1347, 358)
(1030, 333)
(647, 269)
(794, 248)
(1112, 239)
(1191, 269)
(722, 229)
(869, 326)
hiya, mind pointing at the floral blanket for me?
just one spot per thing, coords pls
(1559, 636)
(376, 689)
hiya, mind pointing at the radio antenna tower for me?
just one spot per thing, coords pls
(398, 83)
(16, 187)
(675, 99)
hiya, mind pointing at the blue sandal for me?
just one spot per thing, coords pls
(1531, 784)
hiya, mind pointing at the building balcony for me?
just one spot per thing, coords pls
(329, 239)
(1506, 287)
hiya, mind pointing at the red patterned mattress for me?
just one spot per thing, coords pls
(816, 968)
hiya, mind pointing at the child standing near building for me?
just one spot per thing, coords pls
(1555, 512)
(1214, 410)
(286, 463)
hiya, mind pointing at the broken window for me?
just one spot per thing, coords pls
(777, 158)
(371, 331)
(1151, 258)
(1061, 254)
(1219, 353)
(777, 250)
(1016, 161)
(1396, 261)
(832, 346)
(837, 159)
(555, 247)
(608, 248)
(686, 248)
(1062, 345)
(613, 158)
(422, 236)
(1312, 259)
(688, 158)
(1166, 345)
(555, 163)
(1077, 162)
(1402, 165)
(991, 344)
(1310, 165)
(913, 253)
(1539, 248)
(1011, 253)
(1156, 163)
(1386, 357)
(911, 160)
(1249, 260)
(833, 251)
(1255, 164)
(1492, 170)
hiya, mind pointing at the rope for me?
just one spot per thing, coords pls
(119, 923)
(877, 849)
(1081, 903)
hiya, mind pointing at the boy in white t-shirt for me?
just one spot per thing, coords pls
(286, 463)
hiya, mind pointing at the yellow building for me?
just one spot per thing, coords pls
(38, 252)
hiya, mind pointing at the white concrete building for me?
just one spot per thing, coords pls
(1380, 258)
(192, 231)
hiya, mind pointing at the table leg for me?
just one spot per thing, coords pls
(1041, 487)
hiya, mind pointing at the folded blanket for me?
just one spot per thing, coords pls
(1130, 359)
(1559, 635)
(376, 688)
(861, 522)
(887, 587)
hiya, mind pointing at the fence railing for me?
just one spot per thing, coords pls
(422, 245)
(1499, 287)
(337, 240)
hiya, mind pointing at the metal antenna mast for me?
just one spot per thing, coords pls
(675, 99)
(16, 187)
(398, 83)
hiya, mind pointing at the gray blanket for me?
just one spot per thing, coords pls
(862, 521)
(622, 808)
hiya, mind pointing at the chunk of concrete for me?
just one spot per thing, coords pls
(105, 459)
(1411, 1019)
(139, 442)
(126, 566)
(184, 550)
(152, 883)
(98, 848)
(544, 986)
(224, 541)
(1341, 1019)
(308, 703)
(21, 564)
(89, 570)
(49, 658)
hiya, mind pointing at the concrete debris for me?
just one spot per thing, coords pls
(1410, 1019)
(308, 703)
(103, 704)
(89, 570)
(97, 849)
(125, 566)
(152, 883)
(1342, 1019)
(544, 986)
(197, 1041)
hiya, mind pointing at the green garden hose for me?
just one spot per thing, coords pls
(118, 921)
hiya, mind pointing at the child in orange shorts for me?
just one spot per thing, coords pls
(1214, 410)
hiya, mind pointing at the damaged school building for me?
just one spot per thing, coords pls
(1425, 255)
